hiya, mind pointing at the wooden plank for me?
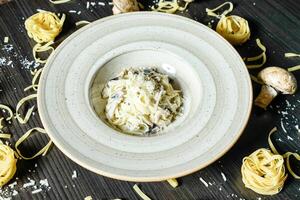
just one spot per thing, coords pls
(275, 22)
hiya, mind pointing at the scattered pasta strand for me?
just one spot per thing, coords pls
(42, 151)
(140, 192)
(29, 111)
(286, 155)
(272, 147)
(234, 29)
(82, 23)
(8, 164)
(255, 58)
(288, 55)
(173, 182)
(10, 112)
(42, 48)
(5, 136)
(59, 1)
(255, 79)
(141, 6)
(170, 6)
(211, 12)
(34, 85)
(295, 68)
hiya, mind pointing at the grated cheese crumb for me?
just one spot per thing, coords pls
(44, 182)
(74, 175)
(72, 11)
(282, 126)
(223, 176)
(6, 39)
(30, 183)
(88, 198)
(203, 181)
(297, 128)
(290, 138)
(12, 184)
(36, 191)
(40, 10)
(15, 192)
(101, 3)
(87, 5)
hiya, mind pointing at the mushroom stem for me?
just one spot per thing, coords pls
(266, 95)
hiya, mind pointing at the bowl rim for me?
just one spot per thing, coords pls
(140, 178)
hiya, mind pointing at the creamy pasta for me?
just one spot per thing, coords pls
(141, 101)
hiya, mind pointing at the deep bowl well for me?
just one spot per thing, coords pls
(146, 54)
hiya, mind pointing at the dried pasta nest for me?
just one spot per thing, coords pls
(8, 164)
(234, 29)
(44, 26)
(264, 172)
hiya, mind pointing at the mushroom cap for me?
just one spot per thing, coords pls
(124, 6)
(279, 78)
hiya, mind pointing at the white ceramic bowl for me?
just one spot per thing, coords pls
(213, 77)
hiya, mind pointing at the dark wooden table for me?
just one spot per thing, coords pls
(275, 22)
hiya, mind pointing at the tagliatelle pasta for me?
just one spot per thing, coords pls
(264, 172)
(44, 26)
(286, 155)
(8, 164)
(82, 23)
(255, 79)
(29, 111)
(141, 101)
(295, 68)
(42, 151)
(5, 135)
(234, 29)
(173, 182)
(34, 83)
(10, 112)
(41, 48)
(212, 12)
(170, 6)
(140, 192)
(289, 55)
(59, 1)
(261, 56)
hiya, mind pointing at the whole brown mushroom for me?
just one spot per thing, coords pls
(124, 6)
(275, 80)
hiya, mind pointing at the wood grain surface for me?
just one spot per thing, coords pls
(275, 22)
